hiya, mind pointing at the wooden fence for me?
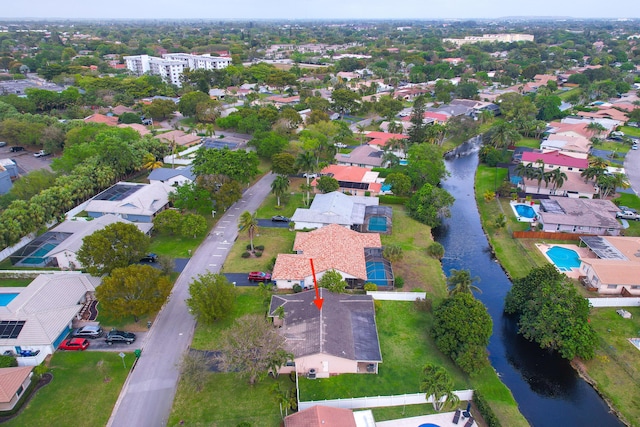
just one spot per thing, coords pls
(545, 235)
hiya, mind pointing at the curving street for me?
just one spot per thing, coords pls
(632, 169)
(147, 395)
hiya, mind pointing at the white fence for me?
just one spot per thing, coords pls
(397, 296)
(381, 401)
(614, 302)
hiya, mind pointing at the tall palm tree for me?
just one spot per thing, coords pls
(249, 222)
(596, 128)
(593, 172)
(503, 134)
(538, 173)
(437, 383)
(279, 186)
(306, 162)
(361, 129)
(557, 178)
(461, 282)
(394, 127)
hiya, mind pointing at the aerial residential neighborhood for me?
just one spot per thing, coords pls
(357, 221)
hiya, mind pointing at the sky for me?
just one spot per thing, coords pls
(315, 9)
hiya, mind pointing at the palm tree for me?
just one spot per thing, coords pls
(361, 129)
(249, 222)
(150, 162)
(598, 162)
(306, 162)
(394, 127)
(593, 172)
(596, 128)
(461, 282)
(503, 134)
(279, 186)
(557, 178)
(437, 383)
(538, 173)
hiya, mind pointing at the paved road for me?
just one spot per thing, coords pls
(632, 169)
(148, 393)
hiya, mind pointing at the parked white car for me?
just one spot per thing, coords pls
(40, 153)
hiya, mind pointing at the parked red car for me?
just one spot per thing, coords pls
(74, 344)
(259, 276)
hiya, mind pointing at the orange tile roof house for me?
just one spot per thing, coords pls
(13, 382)
(180, 138)
(332, 247)
(101, 118)
(342, 338)
(353, 179)
(615, 269)
(321, 416)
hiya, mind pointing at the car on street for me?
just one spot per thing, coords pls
(3, 144)
(150, 258)
(279, 218)
(120, 337)
(16, 149)
(626, 208)
(89, 331)
(40, 153)
(310, 175)
(74, 344)
(628, 215)
(259, 276)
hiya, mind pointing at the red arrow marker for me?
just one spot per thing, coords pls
(317, 301)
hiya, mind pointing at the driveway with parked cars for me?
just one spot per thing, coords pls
(99, 344)
(25, 160)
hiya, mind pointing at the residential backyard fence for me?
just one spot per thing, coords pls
(548, 235)
(381, 401)
(396, 296)
(614, 302)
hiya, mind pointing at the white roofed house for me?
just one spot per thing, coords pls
(39, 317)
(131, 201)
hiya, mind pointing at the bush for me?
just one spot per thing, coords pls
(8, 362)
(486, 411)
(259, 248)
(258, 254)
(435, 250)
(377, 305)
(272, 263)
(297, 288)
(248, 247)
(399, 282)
(246, 255)
(392, 200)
(370, 287)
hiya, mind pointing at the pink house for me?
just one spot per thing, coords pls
(342, 338)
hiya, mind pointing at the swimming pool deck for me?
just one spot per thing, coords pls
(444, 419)
(575, 273)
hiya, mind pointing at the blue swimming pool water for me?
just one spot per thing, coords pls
(525, 211)
(385, 187)
(378, 223)
(5, 299)
(403, 163)
(565, 259)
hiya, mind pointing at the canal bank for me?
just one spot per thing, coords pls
(548, 390)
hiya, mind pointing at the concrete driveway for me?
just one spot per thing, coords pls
(99, 344)
(267, 223)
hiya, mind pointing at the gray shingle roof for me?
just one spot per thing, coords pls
(163, 174)
(345, 327)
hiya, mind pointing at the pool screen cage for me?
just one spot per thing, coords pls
(385, 212)
(48, 241)
(379, 269)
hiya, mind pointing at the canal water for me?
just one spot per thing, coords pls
(547, 389)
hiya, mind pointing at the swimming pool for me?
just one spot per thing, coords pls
(378, 223)
(563, 258)
(5, 299)
(524, 212)
(376, 273)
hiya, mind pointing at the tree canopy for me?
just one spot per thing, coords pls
(429, 204)
(115, 246)
(135, 290)
(239, 165)
(211, 297)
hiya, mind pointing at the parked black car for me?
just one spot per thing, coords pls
(120, 336)
(279, 218)
(16, 148)
(150, 258)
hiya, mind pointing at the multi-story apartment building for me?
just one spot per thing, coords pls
(171, 66)
(490, 38)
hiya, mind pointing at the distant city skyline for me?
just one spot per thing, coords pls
(310, 10)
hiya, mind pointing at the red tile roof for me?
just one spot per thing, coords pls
(331, 247)
(321, 416)
(101, 118)
(555, 158)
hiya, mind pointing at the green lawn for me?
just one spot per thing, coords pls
(274, 240)
(418, 270)
(289, 203)
(528, 142)
(406, 347)
(631, 201)
(630, 130)
(616, 367)
(84, 389)
(618, 147)
(567, 93)
(14, 283)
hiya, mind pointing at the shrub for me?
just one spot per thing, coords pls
(8, 362)
(377, 305)
(259, 248)
(248, 247)
(392, 200)
(486, 411)
(399, 282)
(246, 255)
(435, 250)
(370, 287)
(272, 263)
(258, 254)
(297, 288)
